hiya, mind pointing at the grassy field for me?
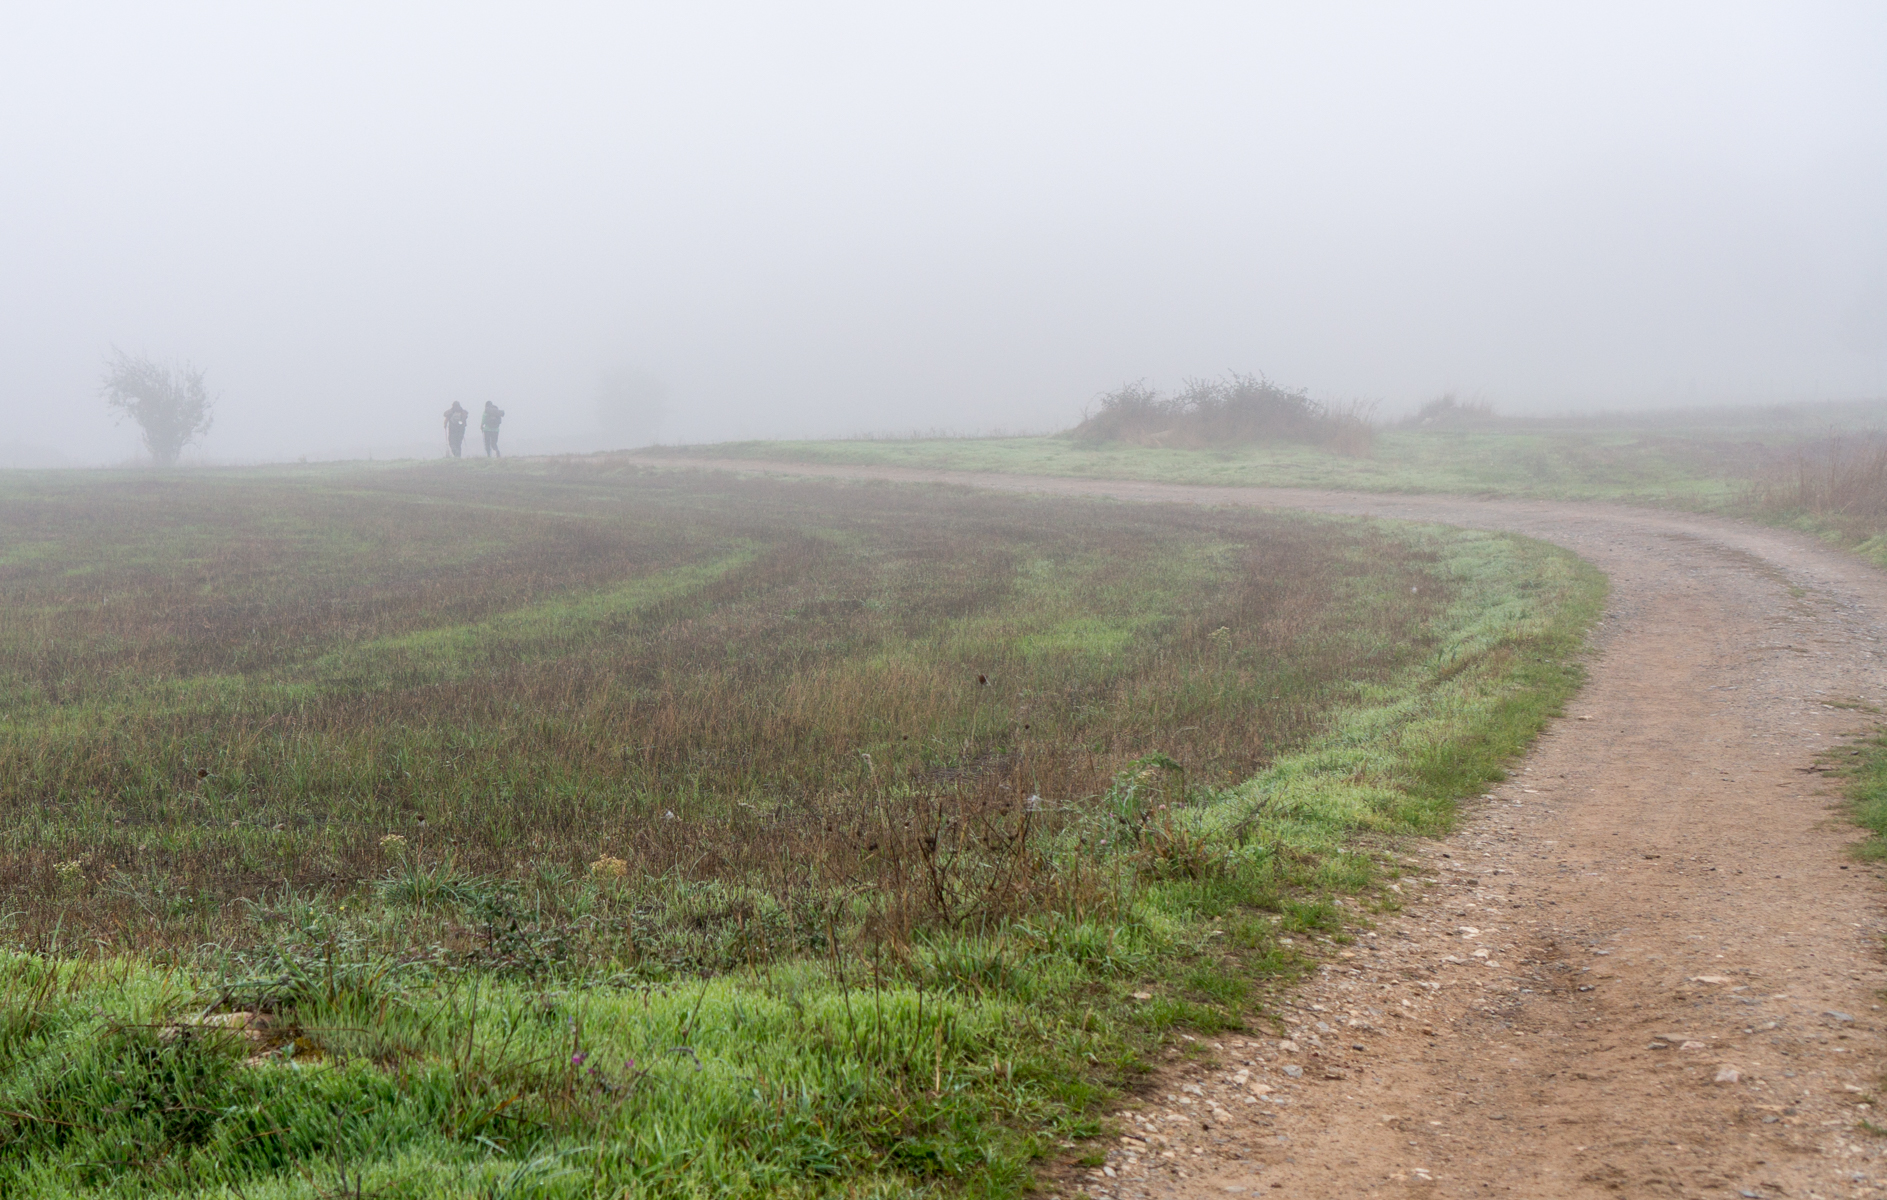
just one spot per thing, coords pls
(580, 829)
(1746, 460)
(1573, 464)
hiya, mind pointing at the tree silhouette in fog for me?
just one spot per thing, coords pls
(168, 401)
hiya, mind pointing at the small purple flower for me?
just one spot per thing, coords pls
(576, 1060)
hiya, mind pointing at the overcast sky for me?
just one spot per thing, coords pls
(821, 219)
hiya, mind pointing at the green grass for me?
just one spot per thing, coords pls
(777, 1085)
(823, 974)
(1862, 768)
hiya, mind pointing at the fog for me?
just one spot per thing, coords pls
(701, 222)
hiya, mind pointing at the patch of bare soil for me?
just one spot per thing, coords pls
(1645, 966)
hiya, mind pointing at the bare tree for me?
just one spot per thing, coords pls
(168, 401)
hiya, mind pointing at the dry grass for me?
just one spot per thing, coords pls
(1841, 479)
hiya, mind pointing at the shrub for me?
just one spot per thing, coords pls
(1217, 412)
(1450, 412)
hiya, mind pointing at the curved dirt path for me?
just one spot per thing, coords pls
(1645, 966)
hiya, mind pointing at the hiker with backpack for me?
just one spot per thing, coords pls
(488, 425)
(456, 417)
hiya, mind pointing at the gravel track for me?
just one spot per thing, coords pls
(1644, 966)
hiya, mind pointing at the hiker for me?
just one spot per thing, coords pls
(488, 425)
(456, 417)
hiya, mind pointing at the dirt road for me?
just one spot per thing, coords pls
(1643, 967)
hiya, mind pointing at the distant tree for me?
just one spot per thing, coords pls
(168, 401)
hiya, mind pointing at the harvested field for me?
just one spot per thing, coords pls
(216, 689)
(683, 833)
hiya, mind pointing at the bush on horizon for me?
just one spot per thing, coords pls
(1217, 412)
